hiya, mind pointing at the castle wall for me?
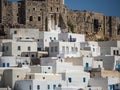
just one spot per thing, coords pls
(47, 15)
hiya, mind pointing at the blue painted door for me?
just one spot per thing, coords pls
(87, 65)
(3, 64)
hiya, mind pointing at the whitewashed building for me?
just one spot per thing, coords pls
(71, 37)
(90, 63)
(11, 75)
(91, 46)
(12, 61)
(23, 47)
(1, 45)
(110, 62)
(45, 38)
(59, 65)
(77, 78)
(110, 48)
(64, 49)
(38, 81)
(41, 69)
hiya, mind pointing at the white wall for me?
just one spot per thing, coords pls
(59, 65)
(77, 78)
(45, 38)
(25, 85)
(44, 76)
(66, 37)
(13, 47)
(64, 49)
(115, 51)
(88, 60)
(41, 69)
(23, 33)
(91, 46)
(11, 75)
(14, 61)
(94, 48)
(109, 62)
(97, 64)
(112, 81)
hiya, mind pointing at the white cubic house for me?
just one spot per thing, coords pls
(91, 46)
(12, 61)
(23, 47)
(71, 37)
(64, 49)
(45, 38)
(21, 33)
(37, 81)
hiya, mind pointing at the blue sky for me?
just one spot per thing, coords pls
(108, 7)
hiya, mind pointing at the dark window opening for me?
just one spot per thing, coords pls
(38, 87)
(30, 18)
(39, 49)
(43, 77)
(51, 9)
(118, 31)
(48, 67)
(39, 18)
(57, 9)
(26, 55)
(17, 76)
(70, 80)
(48, 86)
(114, 52)
(34, 9)
(19, 48)
(54, 86)
(29, 48)
(15, 32)
(29, 77)
(33, 55)
(96, 25)
(84, 79)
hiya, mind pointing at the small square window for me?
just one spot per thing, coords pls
(15, 32)
(17, 76)
(48, 67)
(34, 9)
(43, 77)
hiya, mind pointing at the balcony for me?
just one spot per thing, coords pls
(87, 68)
(117, 67)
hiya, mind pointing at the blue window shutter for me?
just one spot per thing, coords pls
(3, 64)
